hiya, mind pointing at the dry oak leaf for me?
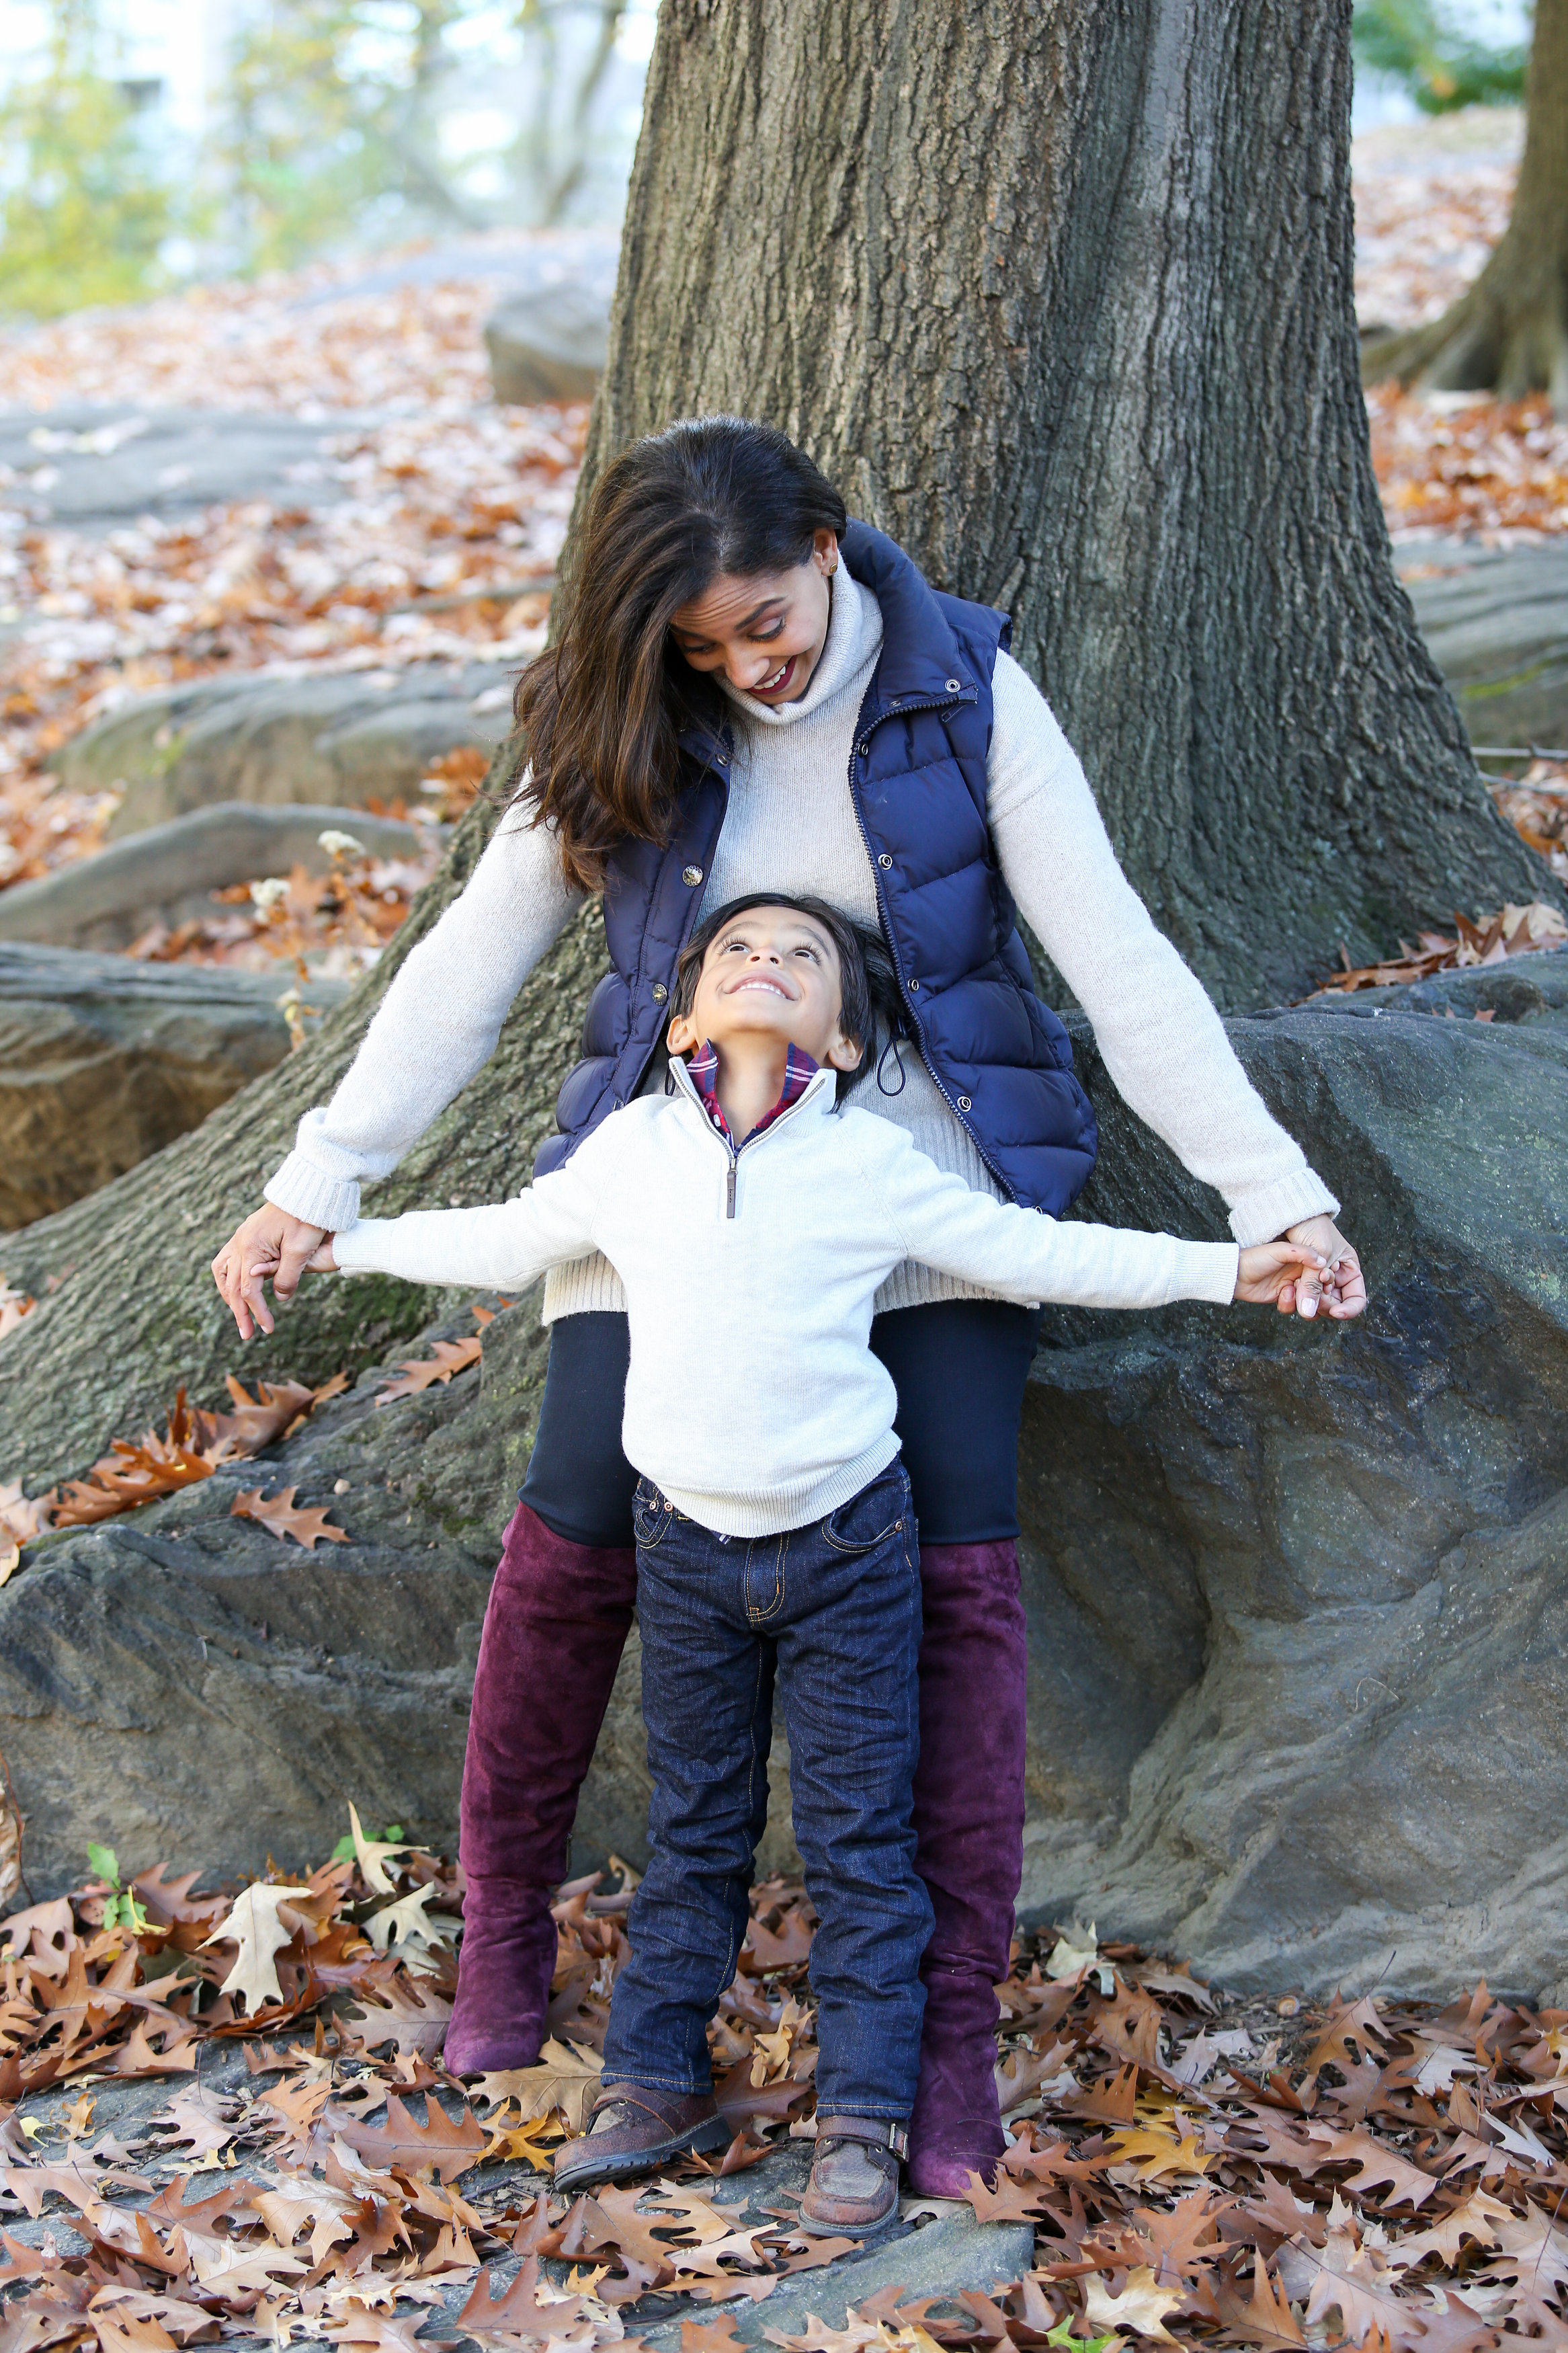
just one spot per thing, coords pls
(1476, 2219)
(451, 2145)
(1181, 2239)
(255, 1926)
(418, 1934)
(566, 2077)
(1376, 2166)
(371, 1854)
(1143, 2305)
(422, 1372)
(1265, 2318)
(1347, 2278)
(520, 2310)
(1532, 2261)
(279, 1516)
(1010, 2201)
(398, 2009)
(1156, 2154)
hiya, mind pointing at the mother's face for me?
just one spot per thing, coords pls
(764, 633)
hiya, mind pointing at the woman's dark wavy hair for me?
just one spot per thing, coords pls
(602, 710)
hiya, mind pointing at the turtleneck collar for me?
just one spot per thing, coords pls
(852, 644)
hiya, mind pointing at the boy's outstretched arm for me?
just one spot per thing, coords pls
(498, 1248)
(1025, 1255)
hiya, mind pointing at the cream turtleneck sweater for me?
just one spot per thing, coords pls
(791, 826)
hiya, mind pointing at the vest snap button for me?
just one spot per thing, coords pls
(659, 992)
(965, 1103)
(914, 983)
(954, 685)
(692, 874)
(884, 860)
(864, 746)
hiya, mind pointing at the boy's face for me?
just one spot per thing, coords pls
(769, 975)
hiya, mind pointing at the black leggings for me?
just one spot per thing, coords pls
(959, 1365)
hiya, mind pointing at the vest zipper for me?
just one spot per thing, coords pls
(730, 1183)
(942, 703)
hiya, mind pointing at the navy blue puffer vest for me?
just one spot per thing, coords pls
(917, 775)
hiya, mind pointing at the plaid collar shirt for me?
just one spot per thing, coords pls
(703, 1067)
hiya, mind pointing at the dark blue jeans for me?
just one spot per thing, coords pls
(834, 1610)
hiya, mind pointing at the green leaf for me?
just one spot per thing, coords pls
(345, 1850)
(393, 1830)
(1062, 2335)
(105, 1862)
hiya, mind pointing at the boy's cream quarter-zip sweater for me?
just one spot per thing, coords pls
(752, 1399)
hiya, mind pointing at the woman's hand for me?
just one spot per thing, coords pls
(1266, 1272)
(269, 1246)
(1344, 1287)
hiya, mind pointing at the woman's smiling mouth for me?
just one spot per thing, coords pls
(779, 679)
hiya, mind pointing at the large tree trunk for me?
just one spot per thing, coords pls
(1062, 295)
(1508, 333)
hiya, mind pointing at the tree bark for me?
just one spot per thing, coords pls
(1062, 297)
(1508, 333)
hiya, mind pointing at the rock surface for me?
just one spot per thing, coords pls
(1299, 1595)
(1497, 622)
(277, 736)
(549, 345)
(93, 465)
(171, 871)
(104, 1060)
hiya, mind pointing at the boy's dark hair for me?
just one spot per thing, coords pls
(867, 983)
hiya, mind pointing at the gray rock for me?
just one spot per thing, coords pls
(95, 465)
(1497, 622)
(104, 1060)
(1299, 1595)
(549, 345)
(171, 871)
(278, 736)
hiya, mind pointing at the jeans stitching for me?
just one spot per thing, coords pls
(755, 1617)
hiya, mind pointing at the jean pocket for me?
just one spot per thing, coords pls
(651, 1516)
(873, 1518)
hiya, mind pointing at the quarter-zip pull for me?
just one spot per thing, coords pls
(730, 1188)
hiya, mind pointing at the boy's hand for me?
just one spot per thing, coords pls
(270, 1246)
(1344, 1287)
(1270, 1270)
(321, 1261)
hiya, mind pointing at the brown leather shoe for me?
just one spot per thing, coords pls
(637, 2126)
(854, 2184)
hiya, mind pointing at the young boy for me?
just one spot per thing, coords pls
(751, 1222)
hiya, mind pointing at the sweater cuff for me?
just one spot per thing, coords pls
(1271, 1210)
(1206, 1270)
(354, 1247)
(307, 1192)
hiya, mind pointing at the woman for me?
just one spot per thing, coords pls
(749, 692)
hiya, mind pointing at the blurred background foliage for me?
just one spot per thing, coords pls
(1437, 55)
(331, 126)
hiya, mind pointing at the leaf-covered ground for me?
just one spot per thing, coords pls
(299, 2166)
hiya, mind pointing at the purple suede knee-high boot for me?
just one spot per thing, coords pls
(554, 1628)
(968, 1821)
